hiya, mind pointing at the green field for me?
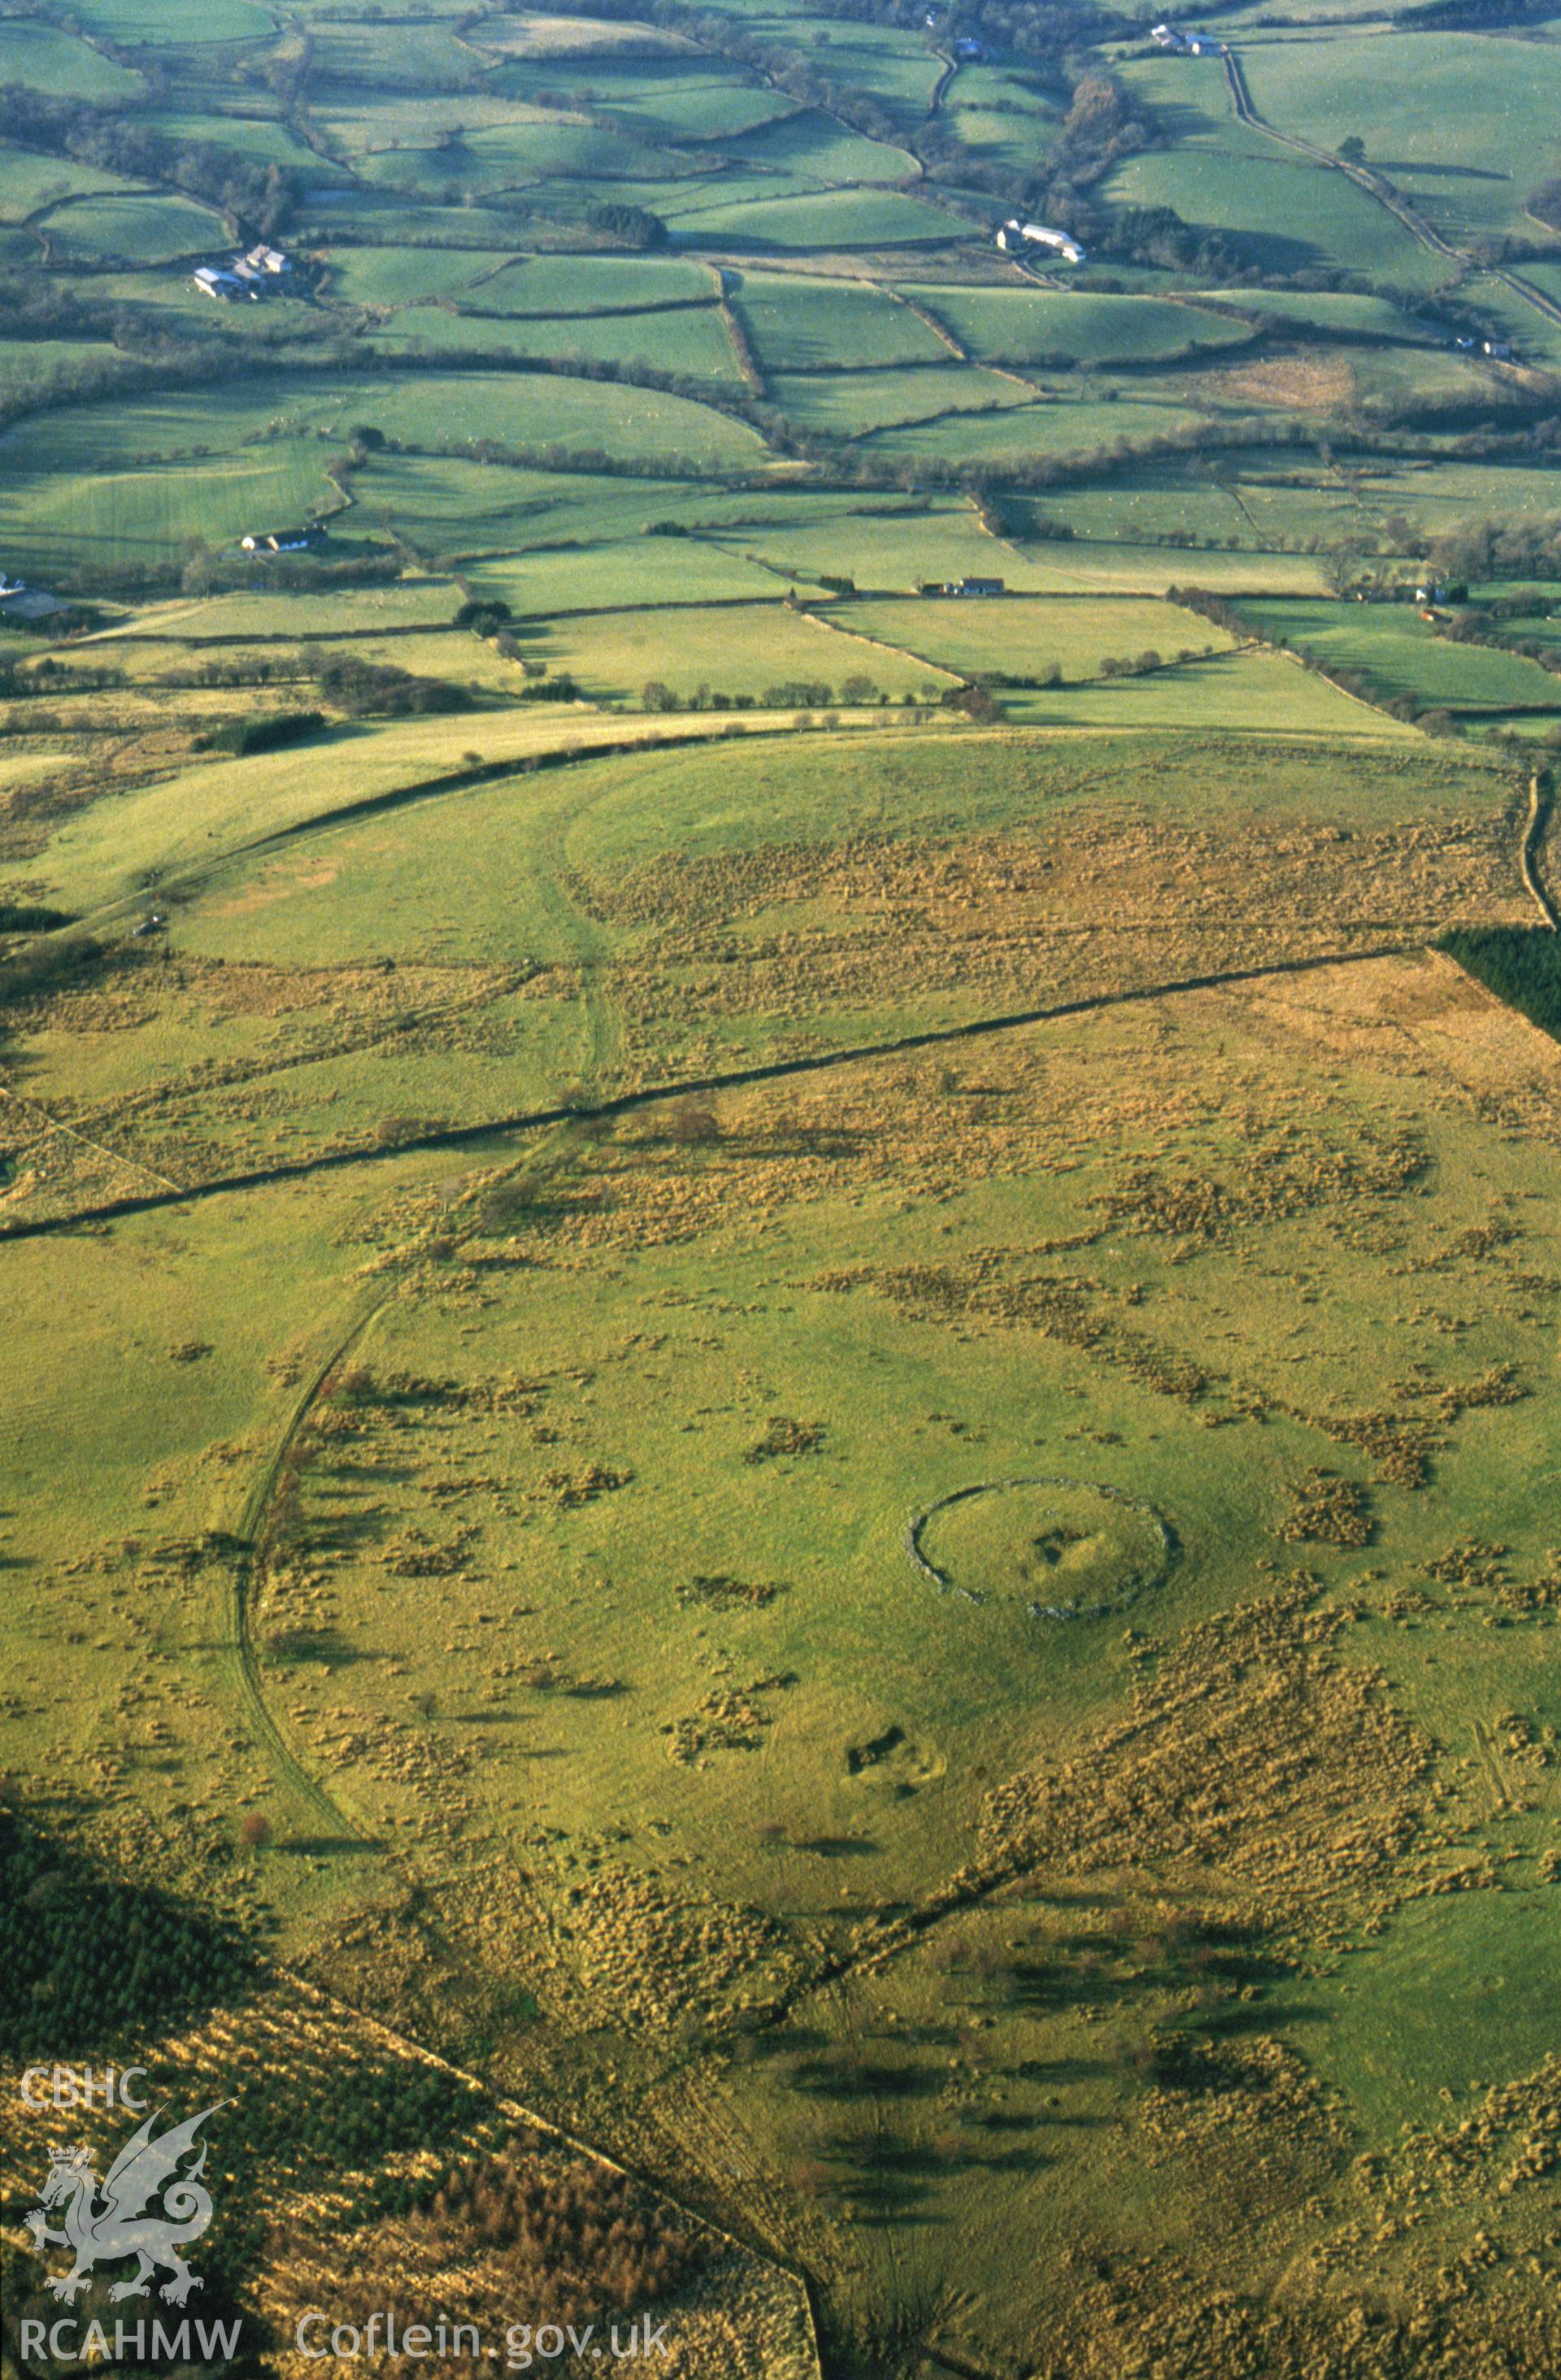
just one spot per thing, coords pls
(543, 410)
(549, 286)
(1351, 315)
(407, 276)
(1069, 425)
(642, 571)
(1400, 653)
(45, 57)
(176, 22)
(812, 146)
(1447, 135)
(741, 651)
(854, 405)
(1027, 636)
(31, 182)
(1003, 117)
(846, 218)
(425, 56)
(475, 507)
(681, 102)
(144, 512)
(1036, 326)
(140, 230)
(1285, 214)
(685, 339)
(257, 136)
(799, 324)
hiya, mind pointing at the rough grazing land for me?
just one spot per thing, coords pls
(779, 1122)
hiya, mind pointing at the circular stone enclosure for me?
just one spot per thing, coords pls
(1066, 1548)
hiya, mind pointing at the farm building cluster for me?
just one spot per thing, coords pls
(250, 275)
(1016, 235)
(967, 46)
(21, 601)
(285, 540)
(1181, 41)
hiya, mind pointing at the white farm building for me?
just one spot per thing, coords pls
(1017, 234)
(1186, 44)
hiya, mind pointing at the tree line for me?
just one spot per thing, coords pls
(257, 197)
(1511, 546)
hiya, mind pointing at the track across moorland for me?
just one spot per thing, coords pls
(242, 1577)
(1533, 835)
(732, 1079)
(247, 1548)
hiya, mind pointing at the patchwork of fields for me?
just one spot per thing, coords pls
(778, 1106)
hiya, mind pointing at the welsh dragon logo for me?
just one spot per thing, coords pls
(107, 2220)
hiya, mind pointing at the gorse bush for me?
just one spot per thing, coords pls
(23, 918)
(361, 689)
(265, 734)
(47, 966)
(580, 2244)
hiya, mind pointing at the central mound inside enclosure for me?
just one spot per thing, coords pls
(1066, 1548)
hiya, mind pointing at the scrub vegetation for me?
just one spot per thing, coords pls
(778, 1110)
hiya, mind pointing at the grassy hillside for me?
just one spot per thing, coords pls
(776, 1188)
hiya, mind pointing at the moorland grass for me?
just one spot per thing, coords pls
(579, 1579)
(853, 1773)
